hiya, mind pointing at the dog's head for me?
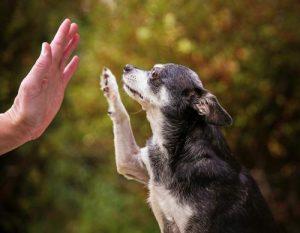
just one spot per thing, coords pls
(176, 88)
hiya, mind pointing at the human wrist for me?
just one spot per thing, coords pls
(10, 134)
(16, 129)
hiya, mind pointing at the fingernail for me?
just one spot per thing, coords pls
(67, 20)
(44, 51)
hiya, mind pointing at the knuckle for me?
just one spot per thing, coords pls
(27, 87)
(59, 43)
(41, 64)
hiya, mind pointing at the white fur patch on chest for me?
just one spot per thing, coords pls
(156, 120)
(163, 200)
(145, 159)
(170, 206)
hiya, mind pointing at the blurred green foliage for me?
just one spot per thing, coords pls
(246, 52)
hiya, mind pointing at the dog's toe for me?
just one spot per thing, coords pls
(104, 78)
(106, 89)
(108, 83)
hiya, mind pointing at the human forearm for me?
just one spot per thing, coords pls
(12, 133)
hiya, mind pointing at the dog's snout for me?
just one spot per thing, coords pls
(128, 68)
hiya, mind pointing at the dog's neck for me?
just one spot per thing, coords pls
(168, 132)
(156, 120)
(177, 130)
(171, 132)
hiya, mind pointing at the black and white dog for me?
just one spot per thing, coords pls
(195, 184)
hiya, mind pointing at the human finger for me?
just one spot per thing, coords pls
(70, 70)
(42, 64)
(60, 39)
(70, 48)
(73, 30)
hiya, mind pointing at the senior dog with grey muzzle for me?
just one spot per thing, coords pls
(195, 184)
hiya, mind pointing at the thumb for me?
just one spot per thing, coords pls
(42, 64)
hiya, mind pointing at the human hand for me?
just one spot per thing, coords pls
(42, 91)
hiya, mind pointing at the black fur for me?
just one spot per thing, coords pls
(199, 168)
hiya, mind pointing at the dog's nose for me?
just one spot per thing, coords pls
(128, 68)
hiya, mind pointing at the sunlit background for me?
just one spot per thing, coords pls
(246, 52)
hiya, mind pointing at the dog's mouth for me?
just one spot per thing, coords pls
(133, 91)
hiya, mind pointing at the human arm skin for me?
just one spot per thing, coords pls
(42, 91)
(12, 134)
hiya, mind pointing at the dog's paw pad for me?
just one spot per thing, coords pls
(105, 76)
(108, 84)
(105, 89)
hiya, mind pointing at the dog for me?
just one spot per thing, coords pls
(195, 183)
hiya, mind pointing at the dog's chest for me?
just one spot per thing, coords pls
(161, 199)
(171, 209)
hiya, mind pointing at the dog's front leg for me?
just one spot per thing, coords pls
(128, 154)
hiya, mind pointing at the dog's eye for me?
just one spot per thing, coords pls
(155, 78)
(154, 74)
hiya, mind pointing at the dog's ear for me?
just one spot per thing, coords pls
(208, 106)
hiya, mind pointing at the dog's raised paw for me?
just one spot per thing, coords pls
(109, 84)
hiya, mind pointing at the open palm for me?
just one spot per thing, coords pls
(42, 90)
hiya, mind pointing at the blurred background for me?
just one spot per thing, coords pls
(246, 52)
